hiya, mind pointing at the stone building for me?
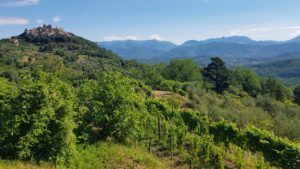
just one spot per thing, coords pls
(46, 30)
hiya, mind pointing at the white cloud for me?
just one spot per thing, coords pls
(13, 3)
(13, 21)
(266, 32)
(112, 38)
(118, 38)
(39, 21)
(57, 19)
(156, 37)
(263, 29)
(296, 33)
(133, 37)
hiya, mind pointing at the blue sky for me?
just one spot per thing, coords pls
(172, 20)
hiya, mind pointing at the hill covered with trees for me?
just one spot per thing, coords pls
(66, 103)
(286, 70)
(278, 59)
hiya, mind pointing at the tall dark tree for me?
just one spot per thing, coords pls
(297, 95)
(217, 73)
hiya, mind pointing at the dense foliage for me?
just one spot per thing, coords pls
(217, 73)
(279, 152)
(184, 70)
(61, 96)
(110, 107)
(285, 67)
(297, 94)
(38, 120)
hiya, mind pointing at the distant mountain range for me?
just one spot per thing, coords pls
(131, 49)
(235, 50)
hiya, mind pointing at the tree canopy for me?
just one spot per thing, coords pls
(217, 73)
(183, 70)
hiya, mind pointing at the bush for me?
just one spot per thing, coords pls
(277, 151)
(39, 121)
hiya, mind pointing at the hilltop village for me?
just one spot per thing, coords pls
(46, 30)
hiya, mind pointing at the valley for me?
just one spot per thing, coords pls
(67, 103)
(235, 51)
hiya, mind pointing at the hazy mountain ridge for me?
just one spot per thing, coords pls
(131, 49)
(232, 39)
(228, 48)
(278, 59)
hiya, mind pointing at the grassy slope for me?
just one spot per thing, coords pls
(22, 165)
(101, 156)
(114, 156)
